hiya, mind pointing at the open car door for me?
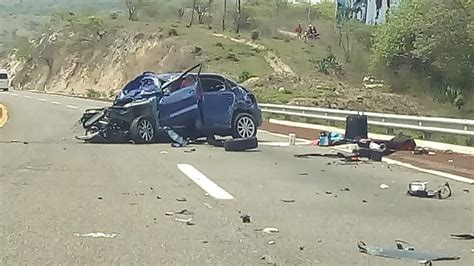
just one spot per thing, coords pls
(179, 107)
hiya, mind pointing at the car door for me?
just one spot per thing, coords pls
(179, 107)
(218, 102)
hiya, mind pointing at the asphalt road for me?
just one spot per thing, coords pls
(55, 190)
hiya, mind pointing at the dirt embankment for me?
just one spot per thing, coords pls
(93, 61)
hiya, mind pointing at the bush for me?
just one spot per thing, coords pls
(114, 15)
(91, 93)
(245, 75)
(254, 35)
(172, 32)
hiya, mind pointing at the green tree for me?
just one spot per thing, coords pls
(434, 39)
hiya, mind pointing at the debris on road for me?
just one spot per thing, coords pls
(190, 151)
(158, 197)
(163, 152)
(345, 189)
(271, 242)
(241, 144)
(288, 200)
(364, 201)
(96, 235)
(466, 190)
(463, 236)
(100, 198)
(26, 142)
(185, 212)
(207, 205)
(183, 199)
(419, 189)
(399, 252)
(304, 174)
(384, 186)
(245, 219)
(301, 247)
(450, 161)
(270, 230)
(169, 213)
(328, 192)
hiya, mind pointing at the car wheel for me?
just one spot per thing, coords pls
(142, 130)
(244, 126)
(241, 144)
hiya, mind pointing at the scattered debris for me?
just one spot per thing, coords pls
(205, 241)
(271, 242)
(133, 203)
(364, 201)
(301, 247)
(178, 140)
(383, 186)
(169, 213)
(328, 192)
(97, 235)
(191, 150)
(288, 200)
(420, 151)
(183, 220)
(100, 198)
(419, 189)
(181, 199)
(151, 188)
(463, 236)
(158, 197)
(185, 212)
(26, 142)
(448, 151)
(466, 190)
(399, 252)
(245, 219)
(270, 230)
(345, 189)
(190, 223)
(304, 174)
(14, 141)
(163, 152)
(207, 205)
(450, 161)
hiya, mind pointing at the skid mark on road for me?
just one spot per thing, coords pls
(205, 183)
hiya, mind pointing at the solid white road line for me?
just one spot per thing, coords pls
(72, 107)
(28, 97)
(42, 100)
(55, 103)
(205, 183)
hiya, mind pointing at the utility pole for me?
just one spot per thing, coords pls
(223, 15)
(237, 29)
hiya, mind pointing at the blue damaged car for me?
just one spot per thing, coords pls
(193, 104)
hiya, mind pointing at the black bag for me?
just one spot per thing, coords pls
(401, 144)
(356, 127)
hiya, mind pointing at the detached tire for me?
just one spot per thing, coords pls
(244, 126)
(142, 130)
(241, 144)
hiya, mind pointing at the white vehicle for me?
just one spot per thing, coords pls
(4, 80)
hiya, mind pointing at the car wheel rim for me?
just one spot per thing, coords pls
(145, 130)
(246, 127)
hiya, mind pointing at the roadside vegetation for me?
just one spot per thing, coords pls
(425, 62)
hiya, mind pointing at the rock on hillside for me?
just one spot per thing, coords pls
(91, 61)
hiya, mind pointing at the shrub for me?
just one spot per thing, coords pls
(245, 75)
(254, 35)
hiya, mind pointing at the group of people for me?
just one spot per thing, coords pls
(309, 34)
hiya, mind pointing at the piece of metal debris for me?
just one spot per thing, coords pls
(345, 189)
(183, 220)
(270, 230)
(301, 247)
(288, 200)
(271, 242)
(419, 189)
(190, 223)
(245, 219)
(181, 199)
(100, 198)
(163, 152)
(400, 252)
(328, 192)
(191, 150)
(463, 236)
(364, 201)
(158, 197)
(185, 212)
(383, 186)
(207, 205)
(304, 174)
(169, 213)
(97, 235)
(466, 190)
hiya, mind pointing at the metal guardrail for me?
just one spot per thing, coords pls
(420, 123)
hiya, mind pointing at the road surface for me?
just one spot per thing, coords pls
(67, 202)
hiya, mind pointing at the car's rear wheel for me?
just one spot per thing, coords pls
(244, 126)
(142, 130)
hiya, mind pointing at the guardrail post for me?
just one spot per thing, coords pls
(390, 131)
(427, 135)
(471, 141)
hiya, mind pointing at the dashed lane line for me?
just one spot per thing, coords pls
(57, 103)
(72, 107)
(28, 97)
(204, 182)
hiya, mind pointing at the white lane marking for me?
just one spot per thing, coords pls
(282, 144)
(14, 94)
(55, 103)
(205, 183)
(284, 136)
(28, 97)
(72, 107)
(42, 100)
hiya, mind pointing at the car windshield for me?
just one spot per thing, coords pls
(236, 132)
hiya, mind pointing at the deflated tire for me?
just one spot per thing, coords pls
(241, 144)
